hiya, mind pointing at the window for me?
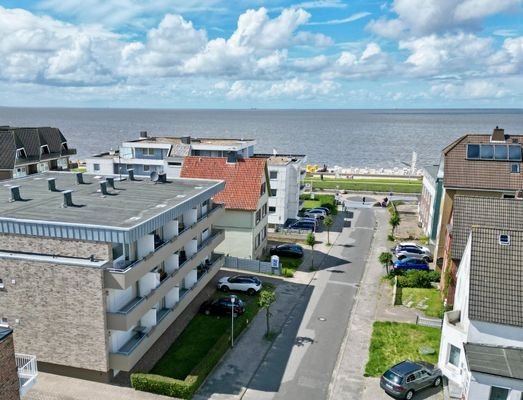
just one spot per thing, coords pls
(146, 168)
(497, 393)
(20, 153)
(263, 189)
(486, 152)
(272, 210)
(264, 210)
(1, 284)
(3, 321)
(44, 149)
(273, 192)
(454, 353)
(473, 151)
(514, 153)
(96, 167)
(514, 168)
(264, 232)
(501, 152)
(258, 216)
(148, 152)
(273, 174)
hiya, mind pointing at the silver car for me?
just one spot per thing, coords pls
(403, 380)
(413, 252)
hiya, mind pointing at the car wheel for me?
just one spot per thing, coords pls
(251, 292)
(225, 288)
(437, 381)
(409, 395)
(207, 312)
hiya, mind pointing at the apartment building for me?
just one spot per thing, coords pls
(477, 165)
(481, 349)
(26, 151)
(286, 174)
(164, 154)
(95, 270)
(245, 198)
(9, 384)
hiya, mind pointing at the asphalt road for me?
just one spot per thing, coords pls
(303, 357)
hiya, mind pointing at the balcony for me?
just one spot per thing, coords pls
(27, 372)
(128, 273)
(129, 354)
(128, 316)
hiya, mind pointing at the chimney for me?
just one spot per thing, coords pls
(162, 177)
(231, 157)
(130, 172)
(51, 184)
(186, 139)
(68, 199)
(80, 178)
(15, 194)
(498, 135)
(103, 188)
(110, 182)
(143, 134)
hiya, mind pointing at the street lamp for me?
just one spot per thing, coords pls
(232, 321)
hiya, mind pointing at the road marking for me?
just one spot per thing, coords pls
(351, 284)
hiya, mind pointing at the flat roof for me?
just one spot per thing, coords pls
(132, 204)
(495, 360)
(281, 159)
(193, 141)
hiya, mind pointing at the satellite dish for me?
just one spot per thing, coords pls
(154, 176)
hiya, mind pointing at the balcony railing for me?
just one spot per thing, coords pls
(27, 371)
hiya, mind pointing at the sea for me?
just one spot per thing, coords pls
(345, 138)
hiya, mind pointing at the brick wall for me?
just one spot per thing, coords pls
(60, 309)
(8, 374)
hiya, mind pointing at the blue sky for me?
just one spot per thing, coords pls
(264, 54)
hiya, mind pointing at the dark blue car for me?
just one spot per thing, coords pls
(411, 263)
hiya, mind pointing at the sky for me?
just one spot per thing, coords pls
(262, 54)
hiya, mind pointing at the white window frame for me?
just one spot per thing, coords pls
(451, 346)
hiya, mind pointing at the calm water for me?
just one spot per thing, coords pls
(372, 138)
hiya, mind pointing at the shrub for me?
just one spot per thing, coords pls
(287, 272)
(390, 237)
(417, 278)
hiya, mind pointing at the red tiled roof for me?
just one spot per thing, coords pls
(243, 179)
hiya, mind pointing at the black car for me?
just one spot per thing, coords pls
(223, 306)
(287, 250)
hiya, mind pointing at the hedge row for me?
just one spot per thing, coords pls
(176, 387)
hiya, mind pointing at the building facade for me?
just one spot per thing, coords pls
(481, 348)
(95, 270)
(26, 151)
(245, 198)
(9, 384)
(430, 202)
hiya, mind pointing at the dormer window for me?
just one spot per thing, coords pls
(20, 153)
(64, 146)
(44, 149)
(504, 240)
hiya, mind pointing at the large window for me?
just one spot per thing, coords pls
(454, 353)
(497, 393)
(500, 152)
(273, 174)
(148, 151)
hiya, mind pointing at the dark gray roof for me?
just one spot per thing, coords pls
(5, 332)
(495, 360)
(496, 277)
(7, 149)
(482, 211)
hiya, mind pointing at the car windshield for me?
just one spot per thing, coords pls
(391, 376)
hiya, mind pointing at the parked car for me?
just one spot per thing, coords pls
(223, 306)
(402, 245)
(411, 263)
(287, 250)
(304, 226)
(241, 283)
(413, 252)
(308, 219)
(315, 213)
(403, 380)
(326, 209)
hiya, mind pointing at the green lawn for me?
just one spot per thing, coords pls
(368, 185)
(393, 342)
(426, 300)
(320, 200)
(199, 337)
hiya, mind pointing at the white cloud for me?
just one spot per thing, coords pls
(505, 32)
(475, 89)
(310, 64)
(372, 62)
(425, 17)
(321, 4)
(291, 88)
(352, 18)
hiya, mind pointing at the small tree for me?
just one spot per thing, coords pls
(394, 221)
(328, 223)
(267, 298)
(310, 240)
(385, 259)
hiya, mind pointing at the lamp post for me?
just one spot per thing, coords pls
(232, 321)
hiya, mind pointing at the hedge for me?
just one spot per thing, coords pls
(176, 387)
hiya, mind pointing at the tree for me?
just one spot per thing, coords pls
(267, 298)
(328, 221)
(385, 259)
(310, 240)
(394, 221)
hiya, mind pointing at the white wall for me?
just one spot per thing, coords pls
(145, 246)
(106, 166)
(480, 386)
(171, 263)
(117, 298)
(119, 338)
(170, 230)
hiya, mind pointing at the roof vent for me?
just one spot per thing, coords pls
(162, 177)
(103, 188)
(110, 182)
(51, 185)
(498, 135)
(80, 178)
(15, 194)
(68, 199)
(186, 139)
(130, 172)
(143, 134)
(504, 240)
